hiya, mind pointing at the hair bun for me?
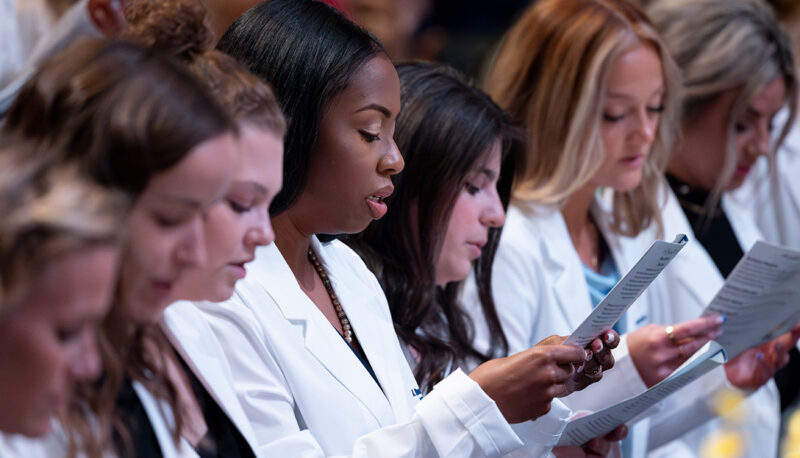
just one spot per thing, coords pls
(177, 28)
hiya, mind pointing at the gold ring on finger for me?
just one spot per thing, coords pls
(671, 334)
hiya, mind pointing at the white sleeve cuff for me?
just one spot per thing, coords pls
(461, 419)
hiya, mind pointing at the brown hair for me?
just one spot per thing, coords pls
(721, 45)
(180, 28)
(549, 75)
(48, 210)
(125, 114)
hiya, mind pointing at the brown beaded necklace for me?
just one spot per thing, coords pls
(337, 307)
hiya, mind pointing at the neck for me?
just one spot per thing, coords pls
(576, 210)
(293, 242)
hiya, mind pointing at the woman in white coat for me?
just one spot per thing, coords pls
(562, 249)
(60, 239)
(732, 93)
(234, 226)
(436, 230)
(308, 334)
(140, 123)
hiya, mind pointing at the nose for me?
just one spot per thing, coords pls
(761, 144)
(191, 249)
(260, 234)
(391, 162)
(646, 125)
(493, 214)
(86, 363)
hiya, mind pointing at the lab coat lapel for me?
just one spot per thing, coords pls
(203, 356)
(162, 426)
(321, 339)
(561, 264)
(379, 342)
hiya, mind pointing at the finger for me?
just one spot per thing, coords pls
(605, 358)
(597, 446)
(611, 339)
(697, 328)
(566, 354)
(596, 346)
(689, 347)
(621, 432)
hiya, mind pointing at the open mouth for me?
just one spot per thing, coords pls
(377, 206)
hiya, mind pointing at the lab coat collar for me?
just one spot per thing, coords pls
(184, 328)
(320, 338)
(560, 261)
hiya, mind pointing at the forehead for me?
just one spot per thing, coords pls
(375, 82)
(199, 176)
(636, 71)
(771, 98)
(65, 286)
(261, 152)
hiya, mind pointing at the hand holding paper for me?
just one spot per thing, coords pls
(627, 290)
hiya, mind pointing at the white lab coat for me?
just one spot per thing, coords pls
(192, 337)
(306, 393)
(540, 289)
(685, 287)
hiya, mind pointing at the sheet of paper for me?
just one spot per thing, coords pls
(761, 298)
(627, 290)
(598, 424)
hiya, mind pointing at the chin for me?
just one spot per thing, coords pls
(37, 426)
(221, 294)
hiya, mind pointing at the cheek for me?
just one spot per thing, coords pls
(28, 377)
(223, 232)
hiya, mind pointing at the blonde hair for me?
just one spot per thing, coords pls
(721, 45)
(550, 75)
(48, 210)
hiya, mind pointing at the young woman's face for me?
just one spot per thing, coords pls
(355, 154)
(631, 113)
(240, 222)
(702, 156)
(476, 209)
(166, 227)
(49, 340)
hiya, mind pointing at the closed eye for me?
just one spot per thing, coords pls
(369, 136)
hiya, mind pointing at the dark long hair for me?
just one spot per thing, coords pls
(125, 114)
(308, 52)
(445, 129)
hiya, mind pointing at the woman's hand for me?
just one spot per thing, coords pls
(524, 384)
(756, 366)
(601, 361)
(595, 448)
(658, 350)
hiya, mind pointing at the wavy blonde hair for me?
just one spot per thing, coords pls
(48, 211)
(721, 45)
(550, 75)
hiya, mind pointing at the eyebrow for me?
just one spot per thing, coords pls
(261, 189)
(489, 173)
(376, 107)
(184, 201)
(618, 95)
(753, 111)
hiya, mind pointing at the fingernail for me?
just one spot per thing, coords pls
(588, 355)
(721, 319)
(609, 337)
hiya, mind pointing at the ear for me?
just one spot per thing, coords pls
(107, 16)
